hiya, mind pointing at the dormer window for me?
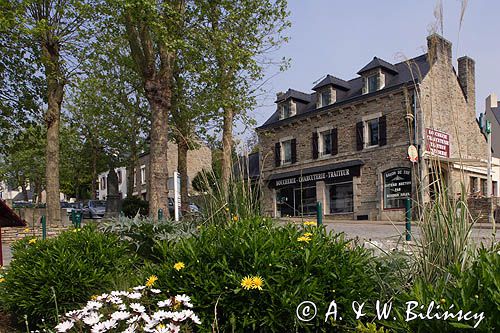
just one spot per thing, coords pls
(326, 98)
(373, 83)
(287, 110)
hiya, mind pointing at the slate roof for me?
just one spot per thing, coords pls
(295, 94)
(496, 112)
(8, 218)
(334, 81)
(408, 71)
(376, 63)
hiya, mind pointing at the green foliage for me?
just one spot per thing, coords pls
(476, 289)
(320, 270)
(445, 230)
(144, 232)
(47, 278)
(131, 206)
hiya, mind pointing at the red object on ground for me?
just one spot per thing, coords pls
(8, 218)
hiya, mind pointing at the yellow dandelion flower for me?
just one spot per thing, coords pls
(308, 234)
(26, 229)
(227, 209)
(151, 280)
(160, 327)
(247, 283)
(310, 223)
(93, 297)
(179, 265)
(2, 280)
(32, 241)
(257, 282)
(235, 218)
(304, 239)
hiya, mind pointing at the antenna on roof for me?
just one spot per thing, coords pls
(321, 78)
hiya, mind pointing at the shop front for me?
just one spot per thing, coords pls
(297, 192)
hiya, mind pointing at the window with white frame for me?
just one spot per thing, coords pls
(325, 142)
(372, 132)
(326, 98)
(372, 83)
(286, 151)
(143, 174)
(286, 110)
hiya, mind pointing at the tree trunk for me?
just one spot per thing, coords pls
(182, 151)
(23, 189)
(227, 146)
(55, 89)
(158, 93)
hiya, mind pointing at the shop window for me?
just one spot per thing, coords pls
(341, 198)
(397, 187)
(305, 201)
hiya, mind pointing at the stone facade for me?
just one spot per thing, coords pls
(197, 160)
(412, 98)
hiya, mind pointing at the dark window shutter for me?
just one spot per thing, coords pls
(315, 145)
(335, 142)
(382, 131)
(277, 154)
(294, 150)
(359, 136)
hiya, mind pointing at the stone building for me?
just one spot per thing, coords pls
(197, 160)
(347, 143)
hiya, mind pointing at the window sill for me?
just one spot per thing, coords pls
(371, 147)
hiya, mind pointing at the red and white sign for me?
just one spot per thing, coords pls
(437, 143)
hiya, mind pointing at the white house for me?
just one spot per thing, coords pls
(102, 180)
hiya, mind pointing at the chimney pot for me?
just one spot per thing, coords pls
(438, 48)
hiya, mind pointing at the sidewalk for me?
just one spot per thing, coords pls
(327, 220)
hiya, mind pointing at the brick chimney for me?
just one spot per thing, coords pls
(467, 79)
(438, 48)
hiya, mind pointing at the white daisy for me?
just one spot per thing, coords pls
(92, 319)
(137, 307)
(134, 295)
(195, 319)
(138, 288)
(120, 315)
(156, 291)
(172, 328)
(164, 303)
(65, 326)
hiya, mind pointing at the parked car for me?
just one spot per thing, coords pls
(94, 209)
(193, 208)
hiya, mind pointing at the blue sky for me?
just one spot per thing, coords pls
(340, 37)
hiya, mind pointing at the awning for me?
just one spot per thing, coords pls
(328, 172)
(8, 218)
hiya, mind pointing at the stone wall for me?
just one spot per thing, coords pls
(368, 188)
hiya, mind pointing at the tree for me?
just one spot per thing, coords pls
(151, 29)
(239, 34)
(50, 32)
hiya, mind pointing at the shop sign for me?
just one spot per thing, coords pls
(324, 176)
(397, 186)
(437, 143)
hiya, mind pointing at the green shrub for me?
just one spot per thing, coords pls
(47, 278)
(131, 206)
(476, 289)
(320, 268)
(144, 232)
